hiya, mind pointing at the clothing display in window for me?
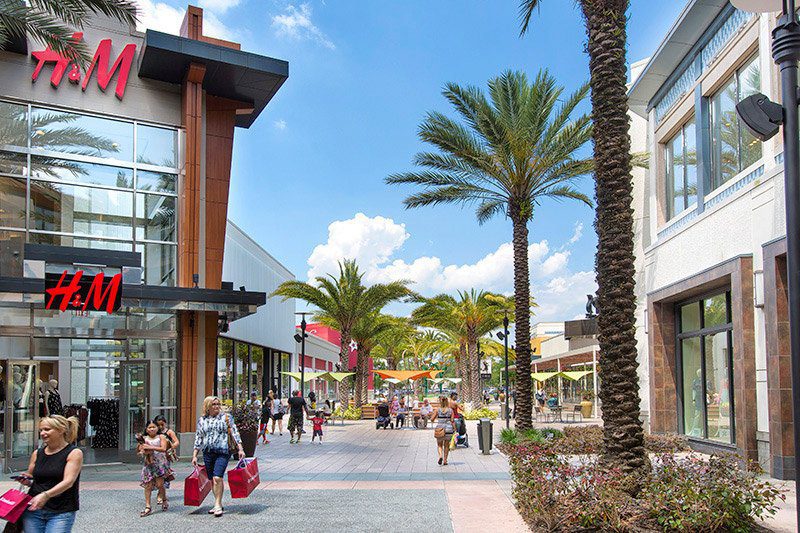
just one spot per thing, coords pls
(54, 406)
(82, 414)
(104, 419)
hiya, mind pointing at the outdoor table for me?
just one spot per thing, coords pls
(557, 413)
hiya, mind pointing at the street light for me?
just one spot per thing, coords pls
(763, 117)
(302, 340)
(504, 337)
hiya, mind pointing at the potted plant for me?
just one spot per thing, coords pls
(587, 404)
(246, 419)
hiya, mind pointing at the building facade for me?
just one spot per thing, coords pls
(113, 201)
(710, 240)
(255, 350)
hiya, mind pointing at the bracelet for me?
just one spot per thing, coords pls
(47, 494)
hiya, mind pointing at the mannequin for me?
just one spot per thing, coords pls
(42, 388)
(54, 405)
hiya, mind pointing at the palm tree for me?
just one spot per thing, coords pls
(52, 22)
(420, 349)
(514, 150)
(392, 341)
(468, 317)
(367, 332)
(623, 435)
(344, 300)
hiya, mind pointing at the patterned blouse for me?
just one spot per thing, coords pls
(212, 433)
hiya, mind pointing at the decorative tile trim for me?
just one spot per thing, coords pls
(676, 91)
(678, 224)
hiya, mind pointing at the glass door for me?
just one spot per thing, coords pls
(134, 408)
(21, 419)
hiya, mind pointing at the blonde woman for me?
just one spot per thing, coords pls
(443, 415)
(211, 438)
(54, 474)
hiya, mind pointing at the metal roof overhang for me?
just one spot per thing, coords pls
(230, 73)
(24, 292)
(681, 37)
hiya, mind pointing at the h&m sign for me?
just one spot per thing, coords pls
(102, 57)
(75, 292)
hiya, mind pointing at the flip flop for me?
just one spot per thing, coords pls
(145, 512)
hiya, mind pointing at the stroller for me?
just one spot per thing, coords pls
(384, 419)
(462, 438)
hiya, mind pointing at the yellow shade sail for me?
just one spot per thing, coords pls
(575, 375)
(336, 376)
(403, 375)
(543, 376)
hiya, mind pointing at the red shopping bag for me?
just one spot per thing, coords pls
(196, 487)
(12, 504)
(244, 478)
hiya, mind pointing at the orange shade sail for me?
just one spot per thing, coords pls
(403, 375)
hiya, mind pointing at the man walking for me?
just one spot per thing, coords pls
(297, 404)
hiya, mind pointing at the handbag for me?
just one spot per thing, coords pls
(243, 479)
(232, 445)
(453, 442)
(438, 432)
(12, 504)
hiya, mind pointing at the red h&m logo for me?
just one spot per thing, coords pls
(74, 292)
(100, 61)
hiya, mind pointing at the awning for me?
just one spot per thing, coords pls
(575, 375)
(336, 376)
(403, 375)
(543, 376)
(453, 380)
(309, 376)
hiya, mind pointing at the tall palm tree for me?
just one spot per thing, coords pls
(512, 151)
(344, 300)
(52, 22)
(420, 349)
(623, 435)
(470, 316)
(367, 332)
(391, 342)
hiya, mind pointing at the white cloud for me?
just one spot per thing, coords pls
(295, 23)
(374, 241)
(163, 17)
(279, 124)
(218, 6)
(577, 233)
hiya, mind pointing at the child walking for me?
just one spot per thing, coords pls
(155, 466)
(318, 420)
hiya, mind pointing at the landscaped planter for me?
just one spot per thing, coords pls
(249, 439)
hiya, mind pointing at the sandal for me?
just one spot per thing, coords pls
(146, 511)
(164, 505)
(214, 510)
(218, 513)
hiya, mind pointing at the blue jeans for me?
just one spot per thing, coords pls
(44, 521)
(216, 463)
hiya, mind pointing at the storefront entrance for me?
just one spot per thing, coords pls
(19, 409)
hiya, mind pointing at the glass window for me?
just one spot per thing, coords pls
(79, 242)
(733, 148)
(155, 217)
(156, 181)
(13, 124)
(242, 371)
(681, 166)
(12, 202)
(78, 172)
(13, 163)
(690, 317)
(706, 361)
(257, 370)
(692, 387)
(158, 263)
(143, 319)
(71, 209)
(718, 399)
(156, 146)
(225, 370)
(73, 133)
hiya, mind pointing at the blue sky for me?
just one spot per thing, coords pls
(307, 178)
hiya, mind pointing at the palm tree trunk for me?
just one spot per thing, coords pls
(473, 369)
(365, 377)
(523, 398)
(359, 377)
(344, 362)
(623, 435)
(462, 370)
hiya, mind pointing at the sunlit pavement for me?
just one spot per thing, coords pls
(359, 479)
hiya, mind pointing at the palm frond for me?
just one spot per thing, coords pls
(526, 8)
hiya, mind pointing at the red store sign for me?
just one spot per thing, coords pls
(75, 293)
(100, 61)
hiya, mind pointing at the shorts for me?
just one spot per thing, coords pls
(442, 440)
(317, 433)
(295, 422)
(277, 416)
(216, 463)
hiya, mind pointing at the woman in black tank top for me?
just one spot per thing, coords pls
(54, 477)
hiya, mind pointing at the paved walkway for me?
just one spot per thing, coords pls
(359, 479)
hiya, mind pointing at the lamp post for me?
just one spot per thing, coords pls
(505, 350)
(302, 341)
(763, 117)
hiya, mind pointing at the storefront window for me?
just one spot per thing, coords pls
(74, 133)
(156, 181)
(80, 172)
(12, 202)
(285, 380)
(13, 163)
(13, 124)
(681, 170)
(225, 370)
(242, 371)
(156, 146)
(158, 263)
(257, 369)
(155, 217)
(706, 362)
(733, 147)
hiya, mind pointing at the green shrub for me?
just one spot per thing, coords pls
(695, 494)
(480, 412)
(580, 440)
(551, 433)
(509, 436)
(351, 413)
(669, 443)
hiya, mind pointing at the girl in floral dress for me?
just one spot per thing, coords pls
(155, 466)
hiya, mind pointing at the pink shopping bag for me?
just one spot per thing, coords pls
(196, 487)
(244, 478)
(12, 504)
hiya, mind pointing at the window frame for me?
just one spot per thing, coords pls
(669, 183)
(702, 333)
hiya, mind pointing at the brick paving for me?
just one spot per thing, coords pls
(359, 479)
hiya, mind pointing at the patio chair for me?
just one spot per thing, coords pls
(540, 414)
(576, 411)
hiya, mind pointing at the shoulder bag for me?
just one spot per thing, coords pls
(232, 445)
(438, 432)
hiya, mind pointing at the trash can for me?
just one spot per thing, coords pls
(485, 436)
